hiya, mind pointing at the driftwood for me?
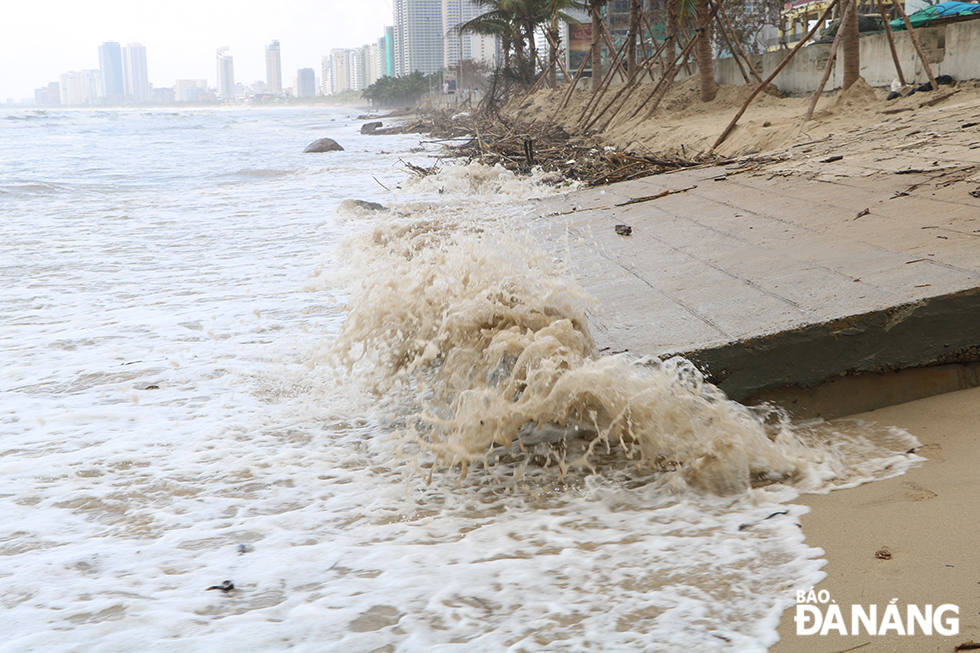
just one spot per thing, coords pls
(529, 146)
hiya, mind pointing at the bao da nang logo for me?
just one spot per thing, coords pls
(816, 614)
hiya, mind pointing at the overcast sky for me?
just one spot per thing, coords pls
(41, 39)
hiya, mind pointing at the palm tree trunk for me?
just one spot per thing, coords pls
(634, 28)
(850, 42)
(709, 89)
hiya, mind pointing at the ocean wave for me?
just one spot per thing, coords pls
(456, 308)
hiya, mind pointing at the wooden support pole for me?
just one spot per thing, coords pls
(716, 6)
(891, 42)
(593, 103)
(779, 69)
(627, 88)
(731, 48)
(918, 46)
(724, 16)
(574, 83)
(830, 61)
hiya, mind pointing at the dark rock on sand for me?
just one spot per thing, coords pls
(324, 145)
(370, 127)
(370, 206)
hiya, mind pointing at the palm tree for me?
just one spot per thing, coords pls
(595, 6)
(499, 20)
(709, 89)
(557, 13)
(850, 42)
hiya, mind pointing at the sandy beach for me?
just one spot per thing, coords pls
(927, 520)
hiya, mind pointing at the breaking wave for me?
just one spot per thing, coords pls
(458, 315)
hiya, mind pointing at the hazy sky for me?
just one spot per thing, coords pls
(41, 39)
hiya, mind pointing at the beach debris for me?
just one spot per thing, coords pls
(863, 213)
(968, 646)
(324, 145)
(836, 157)
(523, 146)
(225, 587)
(624, 230)
(647, 198)
(244, 548)
(883, 553)
(749, 525)
(420, 171)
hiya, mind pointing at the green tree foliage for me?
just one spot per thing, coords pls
(398, 91)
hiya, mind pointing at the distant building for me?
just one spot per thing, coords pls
(136, 82)
(418, 36)
(273, 68)
(326, 75)
(305, 82)
(191, 90)
(163, 95)
(111, 71)
(48, 96)
(225, 74)
(80, 87)
(341, 70)
(467, 45)
(389, 52)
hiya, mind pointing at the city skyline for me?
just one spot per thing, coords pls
(41, 42)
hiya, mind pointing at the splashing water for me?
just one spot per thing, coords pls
(466, 316)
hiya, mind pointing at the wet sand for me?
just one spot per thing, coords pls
(927, 519)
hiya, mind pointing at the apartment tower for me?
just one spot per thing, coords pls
(418, 36)
(273, 68)
(225, 74)
(111, 71)
(136, 82)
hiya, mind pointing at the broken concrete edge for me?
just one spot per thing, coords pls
(848, 395)
(932, 331)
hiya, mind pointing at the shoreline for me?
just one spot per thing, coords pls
(911, 537)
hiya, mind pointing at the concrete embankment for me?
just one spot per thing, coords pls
(824, 264)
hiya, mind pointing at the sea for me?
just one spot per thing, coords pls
(243, 409)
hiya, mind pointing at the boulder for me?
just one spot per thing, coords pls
(324, 145)
(369, 206)
(370, 127)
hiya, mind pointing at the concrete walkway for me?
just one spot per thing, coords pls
(856, 253)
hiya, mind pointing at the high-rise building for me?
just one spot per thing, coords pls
(79, 87)
(418, 36)
(273, 68)
(326, 75)
(305, 82)
(111, 71)
(136, 82)
(225, 74)
(341, 70)
(48, 96)
(390, 51)
(466, 45)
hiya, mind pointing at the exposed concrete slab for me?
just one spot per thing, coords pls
(771, 274)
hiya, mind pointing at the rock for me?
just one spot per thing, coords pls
(324, 145)
(370, 206)
(370, 127)
(624, 230)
